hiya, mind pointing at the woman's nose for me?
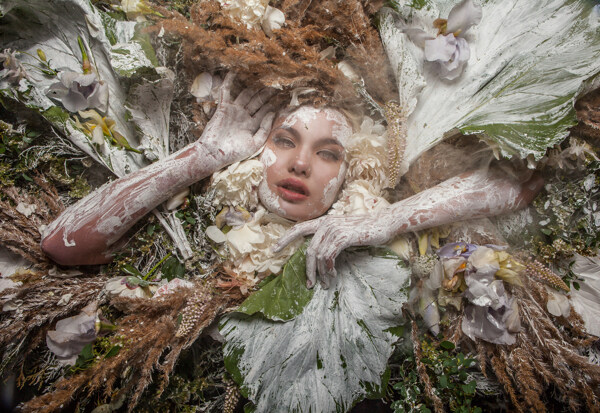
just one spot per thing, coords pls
(301, 165)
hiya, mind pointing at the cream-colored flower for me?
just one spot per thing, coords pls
(366, 154)
(250, 246)
(135, 9)
(273, 19)
(250, 12)
(358, 198)
(236, 185)
(119, 286)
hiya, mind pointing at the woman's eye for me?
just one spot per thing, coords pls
(283, 142)
(329, 155)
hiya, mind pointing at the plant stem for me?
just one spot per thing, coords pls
(156, 266)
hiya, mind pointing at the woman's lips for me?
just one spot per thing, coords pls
(292, 190)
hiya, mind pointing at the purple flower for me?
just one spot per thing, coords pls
(449, 49)
(77, 91)
(13, 70)
(456, 249)
(452, 53)
(72, 334)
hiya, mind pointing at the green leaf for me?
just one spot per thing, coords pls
(113, 351)
(350, 339)
(443, 380)
(546, 231)
(172, 268)
(131, 270)
(447, 345)
(286, 296)
(86, 352)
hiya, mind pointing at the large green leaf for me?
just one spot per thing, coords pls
(529, 61)
(332, 354)
(284, 297)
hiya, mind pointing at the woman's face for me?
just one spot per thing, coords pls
(304, 162)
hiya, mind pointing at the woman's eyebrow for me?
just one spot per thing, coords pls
(291, 130)
(330, 141)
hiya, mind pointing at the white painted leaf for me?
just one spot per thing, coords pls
(529, 60)
(332, 354)
(54, 26)
(586, 300)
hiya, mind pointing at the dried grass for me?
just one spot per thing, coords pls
(290, 59)
(148, 328)
(21, 234)
(545, 362)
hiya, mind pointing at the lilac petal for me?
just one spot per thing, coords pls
(462, 16)
(441, 48)
(455, 249)
(98, 99)
(483, 323)
(418, 36)
(74, 101)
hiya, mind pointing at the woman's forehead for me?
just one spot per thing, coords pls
(304, 116)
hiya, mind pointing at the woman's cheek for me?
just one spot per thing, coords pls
(331, 188)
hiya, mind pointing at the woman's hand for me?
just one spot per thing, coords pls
(333, 234)
(472, 195)
(238, 127)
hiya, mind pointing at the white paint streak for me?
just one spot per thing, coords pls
(268, 157)
(269, 199)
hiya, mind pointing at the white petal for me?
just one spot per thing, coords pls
(98, 136)
(463, 15)
(178, 199)
(441, 48)
(273, 19)
(215, 234)
(348, 71)
(418, 36)
(202, 86)
(328, 53)
(26, 209)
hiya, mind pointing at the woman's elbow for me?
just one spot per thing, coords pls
(54, 247)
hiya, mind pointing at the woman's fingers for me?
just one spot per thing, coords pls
(299, 230)
(244, 97)
(259, 99)
(262, 133)
(225, 90)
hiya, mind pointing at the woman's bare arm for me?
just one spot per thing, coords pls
(476, 194)
(86, 232)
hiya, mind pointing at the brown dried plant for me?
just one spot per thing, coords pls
(148, 329)
(20, 233)
(290, 59)
(545, 359)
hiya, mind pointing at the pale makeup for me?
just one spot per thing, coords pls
(304, 160)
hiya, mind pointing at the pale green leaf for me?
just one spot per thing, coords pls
(529, 61)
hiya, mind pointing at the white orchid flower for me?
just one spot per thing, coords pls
(273, 19)
(78, 91)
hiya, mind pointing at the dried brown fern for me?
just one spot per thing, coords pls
(148, 329)
(20, 233)
(36, 302)
(290, 59)
(438, 405)
(546, 358)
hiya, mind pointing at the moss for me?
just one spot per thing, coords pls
(56, 115)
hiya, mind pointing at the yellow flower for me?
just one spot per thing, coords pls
(100, 127)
